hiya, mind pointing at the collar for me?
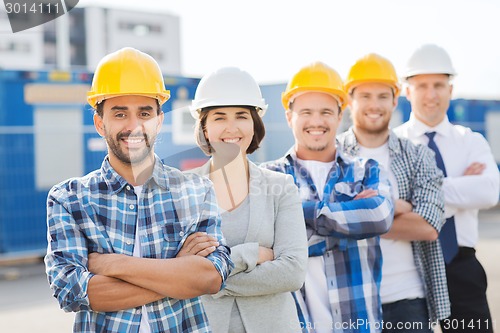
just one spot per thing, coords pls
(116, 182)
(340, 156)
(444, 128)
(351, 145)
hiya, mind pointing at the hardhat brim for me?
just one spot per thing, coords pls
(95, 99)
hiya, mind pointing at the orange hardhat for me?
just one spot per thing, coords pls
(372, 68)
(317, 77)
(127, 71)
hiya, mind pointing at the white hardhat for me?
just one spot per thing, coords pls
(429, 59)
(228, 86)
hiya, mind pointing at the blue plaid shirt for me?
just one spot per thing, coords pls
(99, 212)
(345, 232)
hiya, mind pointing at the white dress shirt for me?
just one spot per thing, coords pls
(464, 195)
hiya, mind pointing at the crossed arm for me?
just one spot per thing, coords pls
(111, 282)
(123, 282)
(408, 224)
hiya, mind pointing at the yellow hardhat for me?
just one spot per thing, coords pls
(315, 77)
(127, 72)
(372, 68)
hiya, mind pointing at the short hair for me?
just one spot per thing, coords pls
(99, 109)
(351, 93)
(290, 107)
(259, 131)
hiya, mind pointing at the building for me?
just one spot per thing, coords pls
(93, 33)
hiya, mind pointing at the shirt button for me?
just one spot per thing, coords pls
(128, 187)
(138, 311)
(129, 242)
(131, 207)
(181, 233)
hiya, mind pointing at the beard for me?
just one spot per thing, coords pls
(377, 130)
(126, 156)
(372, 129)
(317, 147)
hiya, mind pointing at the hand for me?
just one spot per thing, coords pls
(100, 263)
(265, 254)
(475, 169)
(402, 207)
(199, 244)
(366, 194)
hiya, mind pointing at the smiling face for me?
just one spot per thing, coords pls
(130, 125)
(227, 127)
(429, 95)
(371, 106)
(314, 118)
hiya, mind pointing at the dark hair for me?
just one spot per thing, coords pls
(351, 93)
(100, 108)
(259, 131)
(290, 107)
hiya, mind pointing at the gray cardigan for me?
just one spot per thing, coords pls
(263, 292)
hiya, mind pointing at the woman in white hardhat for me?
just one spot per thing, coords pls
(261, 211)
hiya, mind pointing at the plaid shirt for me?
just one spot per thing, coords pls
(99, 212)
(419, 182)
(345, 232)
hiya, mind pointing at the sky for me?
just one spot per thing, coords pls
(272, 39)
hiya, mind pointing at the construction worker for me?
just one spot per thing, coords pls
(471, 182)
(114, 234)
(261, 210)
(413, 289)
(345, 204)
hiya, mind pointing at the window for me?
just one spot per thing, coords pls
(140, 29)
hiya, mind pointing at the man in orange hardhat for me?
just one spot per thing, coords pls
(345, 206)
(114, 234)
(471, 183)
(413, 289)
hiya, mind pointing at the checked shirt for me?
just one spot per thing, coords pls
(419, 182)
(345, 232)
(99, 212)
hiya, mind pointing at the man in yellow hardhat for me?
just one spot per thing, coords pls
(413, 289)
(345, 207)
(471, 183)
(114, 234)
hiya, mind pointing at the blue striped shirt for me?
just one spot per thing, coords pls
(345, 232)
(99, 212)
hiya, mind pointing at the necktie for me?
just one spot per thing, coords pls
(448, 234)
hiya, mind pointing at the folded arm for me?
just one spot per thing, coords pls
(110, 294)
(478, 186)
(357, 219)
(422, 218)
(286, 272)
(180, 278)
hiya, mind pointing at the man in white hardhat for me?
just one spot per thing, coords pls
(471, 183)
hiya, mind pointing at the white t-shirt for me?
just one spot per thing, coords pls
(319, 173)
(315, 284)
(400, 278)
(144, 326)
